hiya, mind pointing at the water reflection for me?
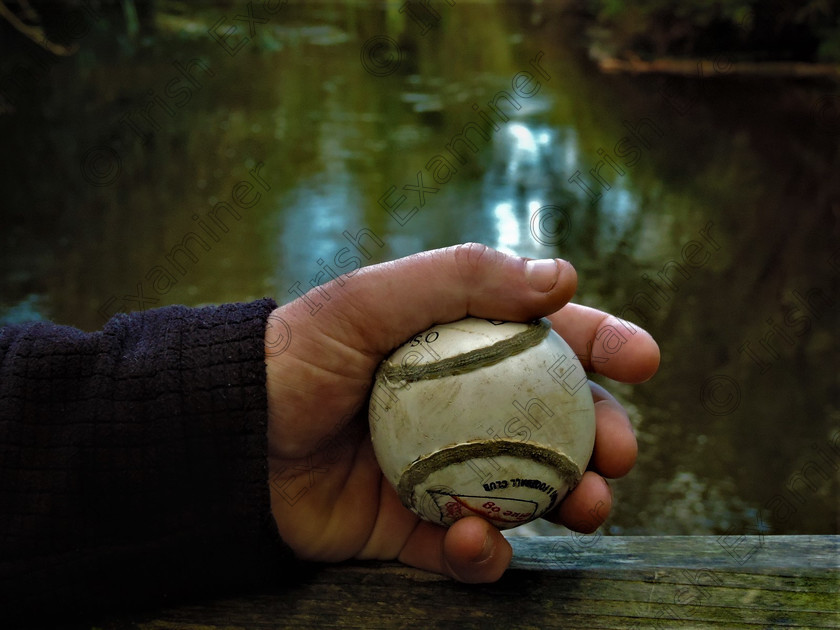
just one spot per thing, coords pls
(537, 194)
(519, 184)
(315, 213)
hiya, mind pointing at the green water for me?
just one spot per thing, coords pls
(182, 169)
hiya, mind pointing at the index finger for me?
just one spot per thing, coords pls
(606, 344)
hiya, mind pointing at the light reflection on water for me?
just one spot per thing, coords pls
(538, 166)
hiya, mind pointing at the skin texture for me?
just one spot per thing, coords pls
(329, 498)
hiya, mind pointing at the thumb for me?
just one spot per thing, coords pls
(387, 303)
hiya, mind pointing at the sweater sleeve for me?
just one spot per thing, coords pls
(133, 464)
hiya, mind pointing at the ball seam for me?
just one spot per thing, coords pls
(398, 375)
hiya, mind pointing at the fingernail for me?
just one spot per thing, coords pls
(541, 274)
(486, 550)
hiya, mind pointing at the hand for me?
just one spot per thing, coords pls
(329, 498)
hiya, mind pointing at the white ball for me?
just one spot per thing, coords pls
(482, 417)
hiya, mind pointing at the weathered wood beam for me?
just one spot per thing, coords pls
(569, 582)
(698, 68)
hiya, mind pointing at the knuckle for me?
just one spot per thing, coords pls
(470, 258)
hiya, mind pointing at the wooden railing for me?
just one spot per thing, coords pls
(559, 582)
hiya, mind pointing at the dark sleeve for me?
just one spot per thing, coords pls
(133, 461)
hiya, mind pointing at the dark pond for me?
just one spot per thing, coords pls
(711, 217)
